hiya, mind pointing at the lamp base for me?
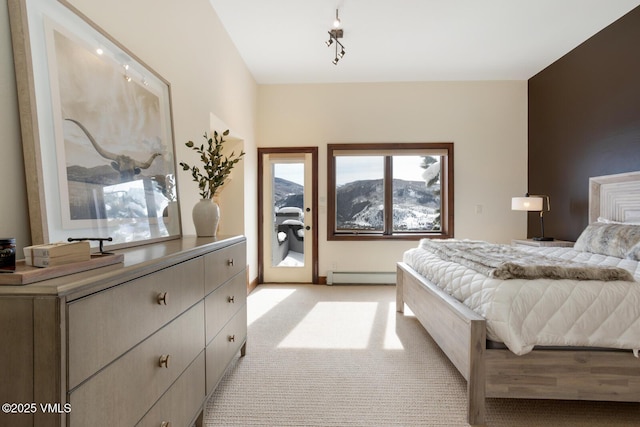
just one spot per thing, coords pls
(543, 239)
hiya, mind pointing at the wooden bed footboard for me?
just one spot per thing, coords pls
(459, 332)
(541, 374)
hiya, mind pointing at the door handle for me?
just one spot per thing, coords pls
(308, 209)
(307, 228)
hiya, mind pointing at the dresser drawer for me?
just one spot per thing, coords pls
(221, 304)
(125, 390)
(183, 400)
(223, 264)
(103, 326)
(224, 346)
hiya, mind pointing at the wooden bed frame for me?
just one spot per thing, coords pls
(541, 374)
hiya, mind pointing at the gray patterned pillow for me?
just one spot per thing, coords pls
(609, 239)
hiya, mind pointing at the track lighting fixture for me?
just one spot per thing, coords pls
(335, 34)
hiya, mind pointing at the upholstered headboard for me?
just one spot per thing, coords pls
(615, 197)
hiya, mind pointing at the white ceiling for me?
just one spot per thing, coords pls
(283, 41)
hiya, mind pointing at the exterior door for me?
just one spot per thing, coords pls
(288, 215)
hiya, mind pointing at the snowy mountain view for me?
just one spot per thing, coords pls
(287, 193)
(359, 204)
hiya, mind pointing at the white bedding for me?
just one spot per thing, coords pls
(525, 313)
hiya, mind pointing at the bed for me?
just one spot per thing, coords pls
(544, 372)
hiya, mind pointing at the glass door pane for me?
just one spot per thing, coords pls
(288, 214)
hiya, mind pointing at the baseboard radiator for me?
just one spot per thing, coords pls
(361, 278)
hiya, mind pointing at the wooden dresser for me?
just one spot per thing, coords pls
(144, 342)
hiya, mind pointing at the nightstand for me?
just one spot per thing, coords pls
(551, 243)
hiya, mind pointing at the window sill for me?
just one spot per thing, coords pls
(397, 236)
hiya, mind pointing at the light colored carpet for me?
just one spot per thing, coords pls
(342, 356)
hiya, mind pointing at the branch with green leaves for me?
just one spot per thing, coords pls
(216, 167)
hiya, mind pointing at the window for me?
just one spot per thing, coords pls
(390, 191)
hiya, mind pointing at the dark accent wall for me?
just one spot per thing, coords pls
(584, 120)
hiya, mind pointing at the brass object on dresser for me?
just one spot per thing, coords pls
(109, 346)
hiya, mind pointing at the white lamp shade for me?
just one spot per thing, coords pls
(526, 203)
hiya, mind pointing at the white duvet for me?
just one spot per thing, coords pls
(526, 313)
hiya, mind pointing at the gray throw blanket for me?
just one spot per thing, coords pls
(508, 262)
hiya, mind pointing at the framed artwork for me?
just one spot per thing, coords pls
(97, 131)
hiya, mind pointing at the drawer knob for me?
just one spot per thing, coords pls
(164, 361)
(165, 424)
(231, 299)
(232, 338)
(230, 262)
(162, 298)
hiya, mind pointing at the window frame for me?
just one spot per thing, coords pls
(446, 177)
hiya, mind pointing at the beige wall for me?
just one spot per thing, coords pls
(186, 44)
(486, 121)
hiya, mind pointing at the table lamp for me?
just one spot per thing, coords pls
(533, 203)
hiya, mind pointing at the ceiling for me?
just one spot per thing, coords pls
(283, 41)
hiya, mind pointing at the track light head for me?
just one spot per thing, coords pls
(335, 60)
(341, 54)
(329, 42)
(337, 23)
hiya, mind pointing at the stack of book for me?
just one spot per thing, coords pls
(54, 254)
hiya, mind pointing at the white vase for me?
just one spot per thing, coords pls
(206, 215)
